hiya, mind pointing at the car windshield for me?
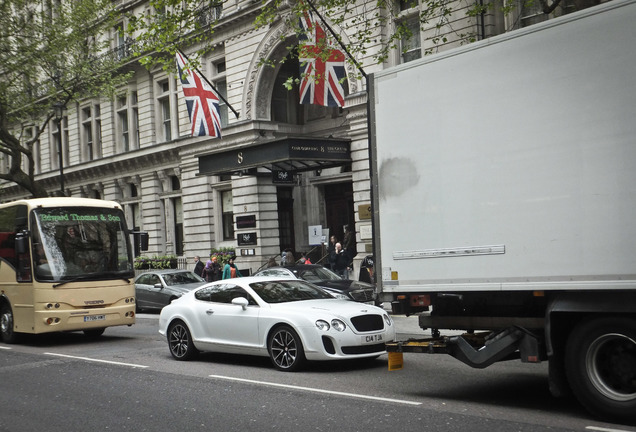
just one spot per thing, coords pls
(288, 291)
(317, 274)
(181, 278)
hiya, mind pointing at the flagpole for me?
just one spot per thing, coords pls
(210, 84)
(368, 82)
(342, 45)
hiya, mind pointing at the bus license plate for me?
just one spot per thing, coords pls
(372, 339)
(94, 318)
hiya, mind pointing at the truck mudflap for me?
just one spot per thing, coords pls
(478, 350)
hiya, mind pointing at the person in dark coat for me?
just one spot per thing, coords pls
(198, 266)
(339, 260)
(212, 270)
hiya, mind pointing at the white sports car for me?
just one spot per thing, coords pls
(288, 320)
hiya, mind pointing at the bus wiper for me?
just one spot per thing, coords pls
(93, 276)
(75, 279)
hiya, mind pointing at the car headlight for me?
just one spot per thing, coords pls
(322, 325)
(338, 325)
(388, 320)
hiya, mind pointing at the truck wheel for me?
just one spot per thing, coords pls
(600, 359)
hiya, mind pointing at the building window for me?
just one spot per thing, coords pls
(98, 130)
(167, 100)
(227, 215)
(411, 42)
(121, 47)
(58, 136)
(178, 225)
(134, 102)
(91, 132)
(286, 106)
(87, 127)
(531, 13)
(127, 122)
(220, 84)
(122, 125)
(210, 14)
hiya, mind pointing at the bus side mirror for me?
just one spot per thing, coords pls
(21, 243)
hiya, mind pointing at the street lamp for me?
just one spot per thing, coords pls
(59, 108)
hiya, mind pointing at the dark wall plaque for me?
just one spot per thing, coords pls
(282, 177)
(246, 221)
(246, 239)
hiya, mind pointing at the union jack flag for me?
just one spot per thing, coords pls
(322, 67)
(201, 100)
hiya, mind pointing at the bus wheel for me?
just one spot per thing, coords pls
(6, 325)
(600, 359)
(94, 333)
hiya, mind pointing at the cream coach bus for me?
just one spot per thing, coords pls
(65, 265)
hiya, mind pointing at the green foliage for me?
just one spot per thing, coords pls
(222, 255)
(50, 52)
(156, 262)
(171, 25)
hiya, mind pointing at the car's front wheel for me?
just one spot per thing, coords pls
(286, 349)
(180, 341)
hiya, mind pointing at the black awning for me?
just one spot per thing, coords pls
(287, 154)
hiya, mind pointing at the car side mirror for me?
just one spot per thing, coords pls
(240, 301)
(158, 286)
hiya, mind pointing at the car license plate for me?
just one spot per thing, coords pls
(94, 318)
(372, 339)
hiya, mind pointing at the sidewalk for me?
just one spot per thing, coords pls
(408, 327)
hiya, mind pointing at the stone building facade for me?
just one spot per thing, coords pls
(192, 194)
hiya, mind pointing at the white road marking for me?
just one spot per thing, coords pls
(7, 348)
(97, 360)
(316, 390)
(600, 429)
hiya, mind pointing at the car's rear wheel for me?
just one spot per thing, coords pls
(286, 349)
(180, 341)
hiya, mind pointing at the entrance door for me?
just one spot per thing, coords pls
(286, 218)
(339, 207)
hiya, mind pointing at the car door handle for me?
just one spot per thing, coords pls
(209, 311)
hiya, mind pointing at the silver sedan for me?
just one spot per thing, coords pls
(156, 289)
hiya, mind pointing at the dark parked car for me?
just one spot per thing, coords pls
(156, 289)
(318, 275)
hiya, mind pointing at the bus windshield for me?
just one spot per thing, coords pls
(80, 242)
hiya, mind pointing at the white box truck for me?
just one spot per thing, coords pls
(504, 198)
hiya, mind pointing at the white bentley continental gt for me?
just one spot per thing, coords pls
(289, 320)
